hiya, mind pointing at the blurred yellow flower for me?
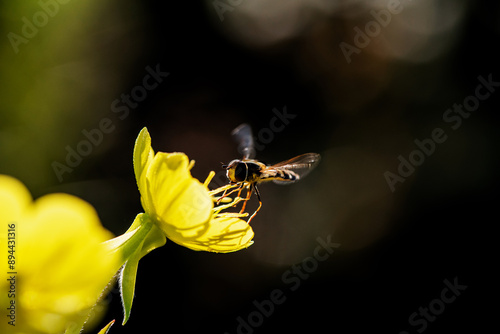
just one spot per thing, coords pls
(182, 206)
(60, 264)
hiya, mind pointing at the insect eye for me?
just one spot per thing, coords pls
(240, 172)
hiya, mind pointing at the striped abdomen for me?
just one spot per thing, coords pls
(278, 174)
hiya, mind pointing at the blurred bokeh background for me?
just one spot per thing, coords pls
(356, 81)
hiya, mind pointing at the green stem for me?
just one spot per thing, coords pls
(139, 235)
(128, 242)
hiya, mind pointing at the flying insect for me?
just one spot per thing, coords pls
(248, 172)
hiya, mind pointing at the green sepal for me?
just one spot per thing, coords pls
(106, 328)
(147, 237)
(142, 234)
(127, 283)
(143, 155)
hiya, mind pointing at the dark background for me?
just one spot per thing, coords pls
(396, 248)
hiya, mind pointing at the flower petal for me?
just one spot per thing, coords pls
(61, 261)
(222, 235)
(177, 198)
(65, 264)
(14, 199)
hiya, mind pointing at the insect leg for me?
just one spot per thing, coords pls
(240, 189)
(220, 198)
(249, 194)
(260, 202)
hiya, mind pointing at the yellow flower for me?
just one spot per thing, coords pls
(59, 265)
(182, 206)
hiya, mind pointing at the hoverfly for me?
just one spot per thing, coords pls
(249, 172)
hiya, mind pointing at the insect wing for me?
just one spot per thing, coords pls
(300, 166)
(243, 136)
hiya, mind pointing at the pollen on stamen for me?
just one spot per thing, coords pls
(232, 215)
(229, 204)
